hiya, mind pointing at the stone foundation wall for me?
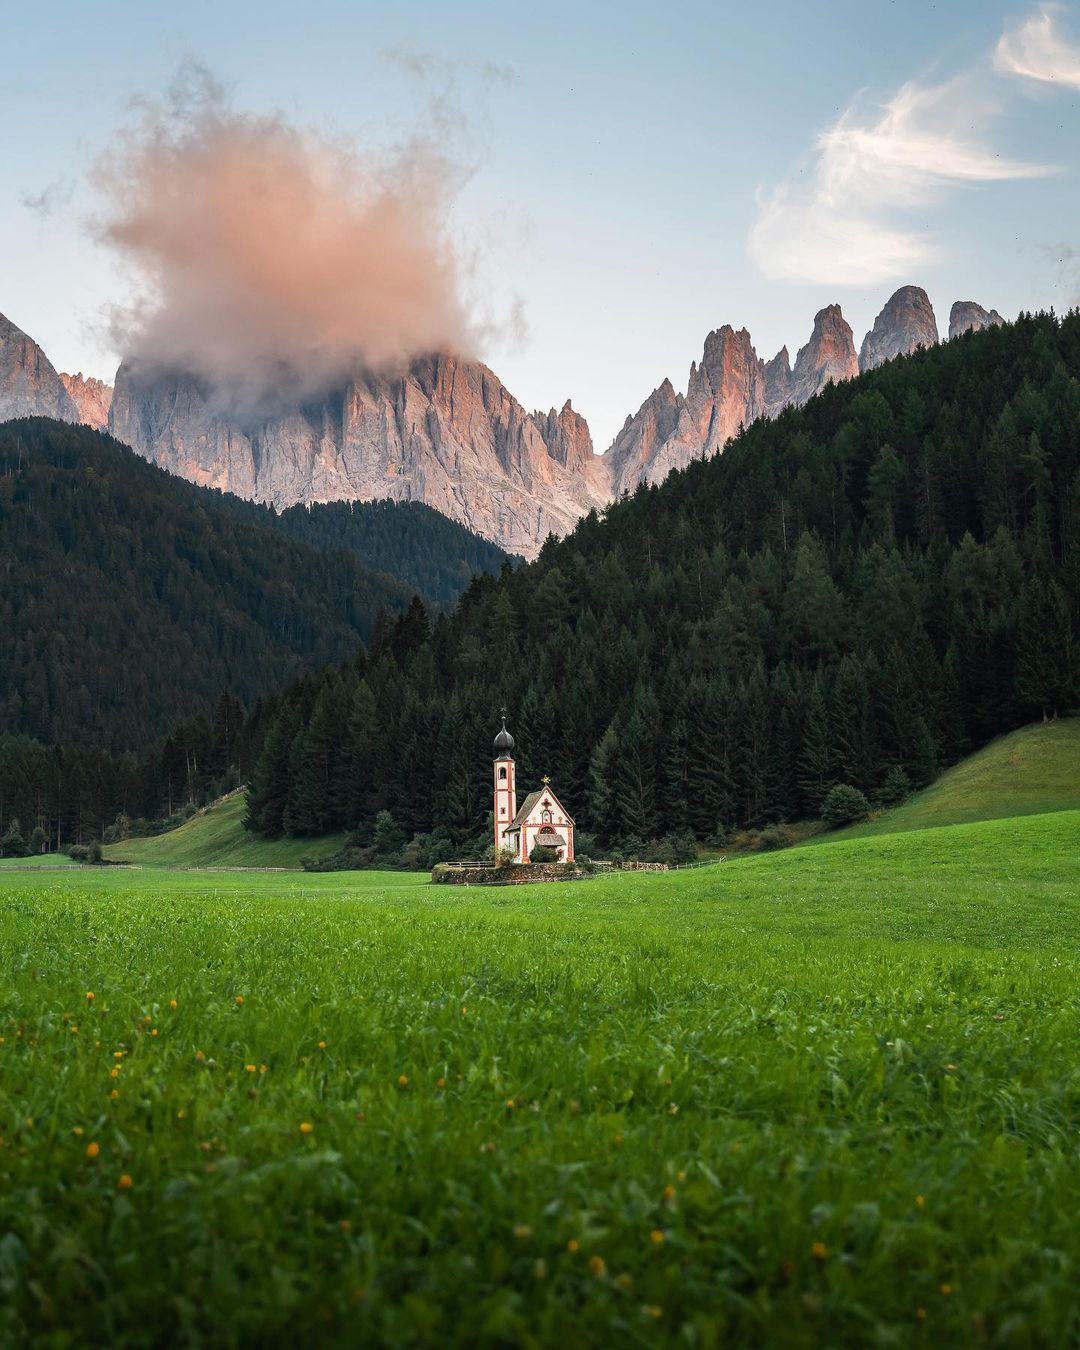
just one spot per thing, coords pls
(519, 874)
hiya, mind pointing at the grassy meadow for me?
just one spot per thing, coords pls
(826, 1096)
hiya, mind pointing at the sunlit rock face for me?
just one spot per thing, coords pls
(92, 398)
(725, 392)
(29, 384)
(906, 322)
(966, 317)
(445, 432)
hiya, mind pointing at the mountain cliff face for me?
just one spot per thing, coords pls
(829, 355)
(446, 432)
(906, 322)
(92, 399)
(966, 316)
(726, 391)
(29, 384)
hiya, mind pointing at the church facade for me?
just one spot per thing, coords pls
(541, 820)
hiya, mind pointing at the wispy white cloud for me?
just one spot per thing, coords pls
(851, 221)
(1036, 51)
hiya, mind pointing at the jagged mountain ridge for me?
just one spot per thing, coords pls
(447, 432)
(29, 384)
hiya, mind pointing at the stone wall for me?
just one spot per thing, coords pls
(519, 874)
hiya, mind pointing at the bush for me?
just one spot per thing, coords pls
(39, 842)
(78, 853)
(544, 853)
(93, 852)
(843, 805)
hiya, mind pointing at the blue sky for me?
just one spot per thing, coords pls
(640, 174)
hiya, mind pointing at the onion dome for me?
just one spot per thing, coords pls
(504, 742)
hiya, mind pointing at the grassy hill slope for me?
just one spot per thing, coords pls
(216, 838)
(1028, 772)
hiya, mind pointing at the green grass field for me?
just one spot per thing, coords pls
(1028, 772)
(828, 1096)
(216, 838)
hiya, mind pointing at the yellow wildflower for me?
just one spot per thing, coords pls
(403, 1080)
(125, 1183)
(572, 1245)
(92, 1150)
(89, 996)
(306, 1127)
(598, 1266)
(656, 1235)
(819, 1251)
(172, 1004)
(239, 1000)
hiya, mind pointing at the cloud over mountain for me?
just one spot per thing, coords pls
(269, 258)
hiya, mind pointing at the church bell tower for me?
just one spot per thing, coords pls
(505, 785)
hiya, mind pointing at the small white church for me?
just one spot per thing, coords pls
(541, 820)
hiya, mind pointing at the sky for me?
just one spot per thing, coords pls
(618, 178)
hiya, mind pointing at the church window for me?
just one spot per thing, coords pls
(545, 816)
(502, 775)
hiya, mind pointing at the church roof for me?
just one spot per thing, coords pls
(530, 801)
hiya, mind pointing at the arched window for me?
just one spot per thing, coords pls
(502, 775)
(545, 817)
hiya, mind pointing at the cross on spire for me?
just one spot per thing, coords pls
(545, 780)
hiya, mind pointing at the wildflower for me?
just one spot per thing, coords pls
(657, 1236)
(403, 1080)
(249, 1068)
(89, 996)
(652, 1310)
(618, 1141)
(125, 1183)
(680, 1176)
(264, 1068)
(522, 1230)
(119, 1054)
(74, 1032)
(510, 1103)
(147, 1020)
(181, 1113)
(673, 1110)
(464, 1012)
(322, 1045)
(920, 1201)
(115, 1073)
(574, 1107)
(920, 1313)
(440, 1082)
(819, 1251)
(669, 1193)
(113, 1095)
(572, 1245)
(306, 1127)
(77, 1130)
(946, 1288)
(950, 1068)
(598, 1266)
(153, 1031)
(92, 1150)
(489, 1147)
(200, 1057)
(624, 1282)
(172, 1004)
(239, 1000)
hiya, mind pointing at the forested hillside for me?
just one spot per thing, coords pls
(140, 615)
(412, 542)
(882, 579)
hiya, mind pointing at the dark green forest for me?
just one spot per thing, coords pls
(434, 555)
(137, 611)
(860, 592)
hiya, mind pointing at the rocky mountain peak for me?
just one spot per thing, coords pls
(29, 384)
(829, 355)
(906, 322)
(92, 398)
(966, 316)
